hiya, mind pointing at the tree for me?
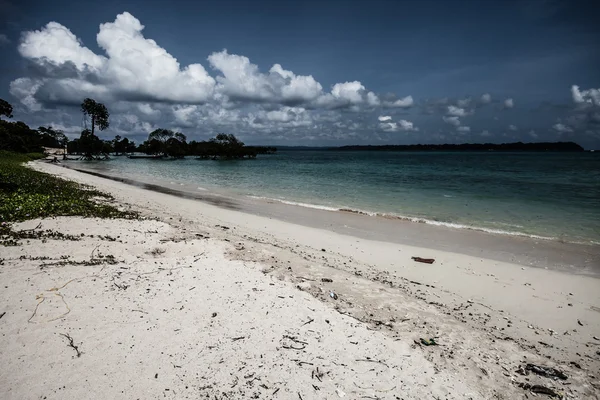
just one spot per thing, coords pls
(89, 144)
(6, 108)
(117, 145)
(97, 113)
(166, 142)
(52, 138)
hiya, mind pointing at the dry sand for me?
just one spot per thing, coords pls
(199, 301)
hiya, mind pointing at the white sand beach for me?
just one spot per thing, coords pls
(200, 301)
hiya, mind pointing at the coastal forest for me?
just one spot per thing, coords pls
(161, 143)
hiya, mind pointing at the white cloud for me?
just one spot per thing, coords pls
(147, 109)
(585, 96)
(383, 118)
(407, 125)
(512, 128)
(486, 98)
(486, 133)
(457, 111)
(401, 103)
(533, 134)
(372, 99)
(4, 40)
(464, 129)
(56, 45)
(140, 67)
(509, 103)
(451, 120)
(348, 91)
(463, 103)
(402, 125)
(562, 128)
(25, 90)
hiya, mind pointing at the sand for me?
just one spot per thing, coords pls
(200, 301)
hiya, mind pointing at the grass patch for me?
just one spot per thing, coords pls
(28, 194)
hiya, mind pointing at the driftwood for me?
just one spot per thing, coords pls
(424, 260)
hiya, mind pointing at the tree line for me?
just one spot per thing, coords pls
(161, 143)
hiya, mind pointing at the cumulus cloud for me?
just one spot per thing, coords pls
(4, 40)
(562, 128)
(451, 120)
(486, 98)
(591, 96)
(407, 125)
(387, 125)
(457, 111)
(533, 134)
(464, 129)
(512, 128)
(485, 133)
(401, 103)
(509, 103)
(137, 69)
(383, 118)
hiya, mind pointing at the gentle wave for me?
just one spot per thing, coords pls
(406, 218)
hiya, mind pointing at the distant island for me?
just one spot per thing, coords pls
(518, 146)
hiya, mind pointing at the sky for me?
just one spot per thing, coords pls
(311, 73)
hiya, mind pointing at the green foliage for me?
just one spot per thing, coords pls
(18, 137)
(27, 194)
(6, 108)
(52, 138)
(226, 146)
(97, 113)
(166, 142)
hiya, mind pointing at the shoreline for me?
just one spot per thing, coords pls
(531, 250)
(198, 299)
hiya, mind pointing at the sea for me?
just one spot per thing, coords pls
(551, 196)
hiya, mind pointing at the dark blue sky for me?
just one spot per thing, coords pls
(443, 54)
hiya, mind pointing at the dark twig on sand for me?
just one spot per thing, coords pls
(373, 361)
(308, 322)
(72, 344)
(235, 339)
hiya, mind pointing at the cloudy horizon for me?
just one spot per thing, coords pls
(152, 73)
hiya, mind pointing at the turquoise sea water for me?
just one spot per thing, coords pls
(550, 195)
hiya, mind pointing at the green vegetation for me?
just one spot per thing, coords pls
(224, 146)
(28, 194)
(20, 138)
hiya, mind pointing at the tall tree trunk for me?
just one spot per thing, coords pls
(93, 124)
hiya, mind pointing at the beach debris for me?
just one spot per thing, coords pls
(333, 295)
(539, 389)
(214, 314)
(308, 322)
(424, 260)
(293, 343)
(72, 344)
(594, 337)
(580, 323)
(317, 374)
(428, 342)
(326, 280)
(222, 227)
(323, 250)
(235, 339)
(156, 376)
(340, 393)
(548, 372)
(2, 315)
